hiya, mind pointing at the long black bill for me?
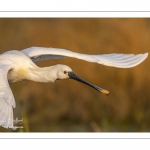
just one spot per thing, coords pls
(75, 77)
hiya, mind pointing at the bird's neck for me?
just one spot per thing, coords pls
(45, 74)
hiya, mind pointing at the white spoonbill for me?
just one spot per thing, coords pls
(19, 65)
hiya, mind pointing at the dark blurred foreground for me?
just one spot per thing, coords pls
(70, 106)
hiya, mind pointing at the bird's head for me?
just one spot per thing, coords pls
(62, 72)
(65, 72)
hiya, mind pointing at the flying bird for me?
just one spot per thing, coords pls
(19, 65)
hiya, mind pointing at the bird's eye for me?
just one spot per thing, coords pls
(65, 72)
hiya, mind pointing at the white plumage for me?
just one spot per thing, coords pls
(19, 65)
(114, 60)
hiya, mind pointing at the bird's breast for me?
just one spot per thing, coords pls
(18, 74)
(22, 73)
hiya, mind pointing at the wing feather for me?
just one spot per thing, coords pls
(7, 101)
(113, 60)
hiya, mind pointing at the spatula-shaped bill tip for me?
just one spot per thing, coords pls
(105, 92)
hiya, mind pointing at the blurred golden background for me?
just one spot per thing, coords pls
(67, 105)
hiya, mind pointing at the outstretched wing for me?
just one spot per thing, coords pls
(6, 99)
(113, 60)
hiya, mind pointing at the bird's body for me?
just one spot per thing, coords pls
(23, 68)
(19, 65)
